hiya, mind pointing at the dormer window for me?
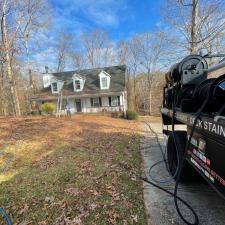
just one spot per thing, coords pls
(104, 82)
(47, 80)
(77, 85)
(54, 87)
(104, 79)
(78, 82)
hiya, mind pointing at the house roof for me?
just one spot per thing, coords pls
(92, 84)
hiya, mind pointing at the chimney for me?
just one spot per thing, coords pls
(46, 69)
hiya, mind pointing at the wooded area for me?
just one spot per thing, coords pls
(187, 28)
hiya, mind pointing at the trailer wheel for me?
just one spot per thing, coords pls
(188, 173)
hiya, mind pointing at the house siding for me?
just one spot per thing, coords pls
(72, 106)
(105, 101)
(87, 108)
(90, 83)
(86, 104)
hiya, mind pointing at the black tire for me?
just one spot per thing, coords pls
(188, 173)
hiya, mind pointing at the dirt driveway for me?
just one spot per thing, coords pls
(160, 207)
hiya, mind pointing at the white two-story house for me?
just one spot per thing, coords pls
(87, 91)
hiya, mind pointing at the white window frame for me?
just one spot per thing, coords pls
(113, 98)
(52, 84)
(77, 89)
(106, 82)
(106, 76)
(77, 77)
(97, 102)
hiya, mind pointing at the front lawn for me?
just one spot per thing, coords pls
(83, 170)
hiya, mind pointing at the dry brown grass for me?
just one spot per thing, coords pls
(82, 170)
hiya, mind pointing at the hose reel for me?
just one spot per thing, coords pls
(187, 87)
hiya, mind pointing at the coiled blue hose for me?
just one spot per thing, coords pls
(6, 216)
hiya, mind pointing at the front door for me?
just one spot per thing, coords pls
(78, 105)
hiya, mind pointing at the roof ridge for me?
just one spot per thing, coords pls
(96, 68)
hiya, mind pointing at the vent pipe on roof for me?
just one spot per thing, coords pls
(46, 69)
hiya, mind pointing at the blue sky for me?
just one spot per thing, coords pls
(121, 18)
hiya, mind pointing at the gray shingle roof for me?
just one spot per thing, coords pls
(92, 84)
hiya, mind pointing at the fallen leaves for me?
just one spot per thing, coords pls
(113, 217)
(49, 200)
(24, 209)
(63, 220)
(134, 218)
(93, 206)
(75, 172)
(73, 191)
(25, 223)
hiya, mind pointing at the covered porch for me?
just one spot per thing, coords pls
(97, 103)
(90, 103)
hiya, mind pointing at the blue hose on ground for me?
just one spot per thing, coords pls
(6, 217)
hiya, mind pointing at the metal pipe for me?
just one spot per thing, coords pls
(216, 67)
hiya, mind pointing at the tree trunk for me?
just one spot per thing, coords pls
(13, 90)
(150, 100)
(11, 79)
(2, 94)
(31, 80)
(150, 78)
(194, 26)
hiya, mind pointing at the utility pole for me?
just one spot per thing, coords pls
(194, 26)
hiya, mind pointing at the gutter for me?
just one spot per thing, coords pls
(78, 96)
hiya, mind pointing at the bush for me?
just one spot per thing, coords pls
(131, 115)
(48, 107)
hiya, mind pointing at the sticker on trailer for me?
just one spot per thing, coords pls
(211, 127)
(201, 146)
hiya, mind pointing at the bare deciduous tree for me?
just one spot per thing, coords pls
(152, 48)
(36, 18)
(133, 61)
(196, 25)
(9, 37)
(96, 44)
(18, 20)
(122, 53)
(63, 48)
(77, 59)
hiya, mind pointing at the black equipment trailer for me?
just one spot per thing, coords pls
(206, 152)
(193, 98)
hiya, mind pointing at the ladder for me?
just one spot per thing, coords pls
(59, 102)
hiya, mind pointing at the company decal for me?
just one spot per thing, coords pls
(204, 167)
(202, 145)
(194, 141)
(205, 172)
(209, 126)
(201, 156)
(199, 143)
